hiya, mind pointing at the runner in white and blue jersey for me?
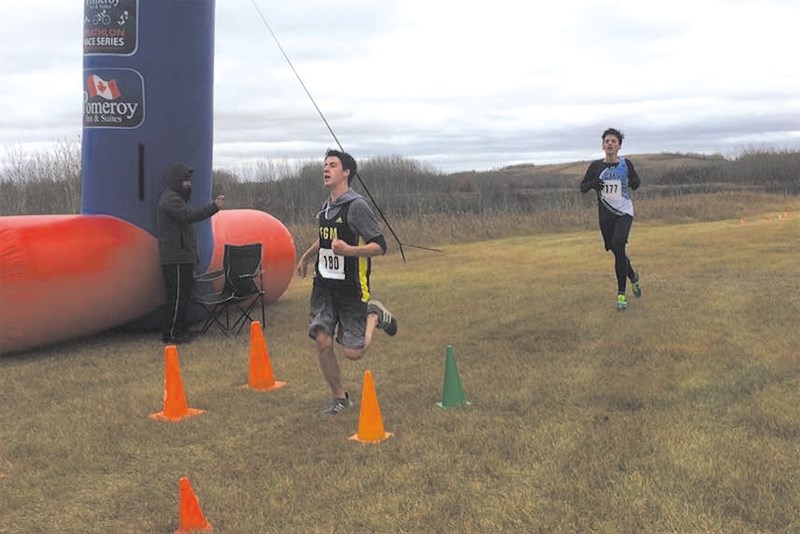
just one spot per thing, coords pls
(613, 178)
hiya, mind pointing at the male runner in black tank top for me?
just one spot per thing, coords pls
(341, 303)
(613, 178)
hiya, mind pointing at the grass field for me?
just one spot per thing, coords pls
(681, 414)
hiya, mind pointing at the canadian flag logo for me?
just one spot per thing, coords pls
(97, 86)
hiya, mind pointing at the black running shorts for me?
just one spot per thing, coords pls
(615, 230)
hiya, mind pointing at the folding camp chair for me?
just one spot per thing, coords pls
(241, 292)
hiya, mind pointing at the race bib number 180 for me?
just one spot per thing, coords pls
(331, 266)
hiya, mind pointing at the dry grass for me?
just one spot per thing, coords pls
(450, 228)
(680, 415)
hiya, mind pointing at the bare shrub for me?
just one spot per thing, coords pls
(42, 183)
(404, 188)
(778, 171)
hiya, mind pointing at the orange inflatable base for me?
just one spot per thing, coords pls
(68, 276)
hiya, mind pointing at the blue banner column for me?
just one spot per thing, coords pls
(148, 102)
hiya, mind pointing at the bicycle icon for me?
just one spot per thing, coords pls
(102, 18)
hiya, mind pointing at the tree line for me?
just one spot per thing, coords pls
(50, 183)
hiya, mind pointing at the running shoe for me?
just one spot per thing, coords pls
(338, 405)
(386, 320)
(637, 287)
(622, 303)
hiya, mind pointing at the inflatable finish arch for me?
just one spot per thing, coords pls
(148, 101)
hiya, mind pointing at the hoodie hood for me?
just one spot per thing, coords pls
(331, 208)
(347, 196)
(177, 173)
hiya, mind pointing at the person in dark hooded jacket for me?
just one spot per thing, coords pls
(177, 247)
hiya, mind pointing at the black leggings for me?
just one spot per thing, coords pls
(622, 266)
(615, 232)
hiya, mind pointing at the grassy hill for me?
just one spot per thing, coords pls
(661, 174)
(575, 170)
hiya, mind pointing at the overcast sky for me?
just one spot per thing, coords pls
(455, 84)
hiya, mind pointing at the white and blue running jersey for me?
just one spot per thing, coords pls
(616, 194)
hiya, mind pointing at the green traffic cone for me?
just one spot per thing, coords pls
(453, 394)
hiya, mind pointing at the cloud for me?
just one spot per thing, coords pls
(454, 84)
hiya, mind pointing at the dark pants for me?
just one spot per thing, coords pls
(178, 283)
(615, 231)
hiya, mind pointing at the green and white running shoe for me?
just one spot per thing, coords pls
(637, 287)
(622, 303)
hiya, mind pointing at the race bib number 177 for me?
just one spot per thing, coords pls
(612, 189)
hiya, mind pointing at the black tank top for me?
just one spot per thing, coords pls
(347, 273)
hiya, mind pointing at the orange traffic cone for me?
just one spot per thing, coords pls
(261, 375)
(191, 516)
(370, 423)
(741, 222)
(175, 406)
